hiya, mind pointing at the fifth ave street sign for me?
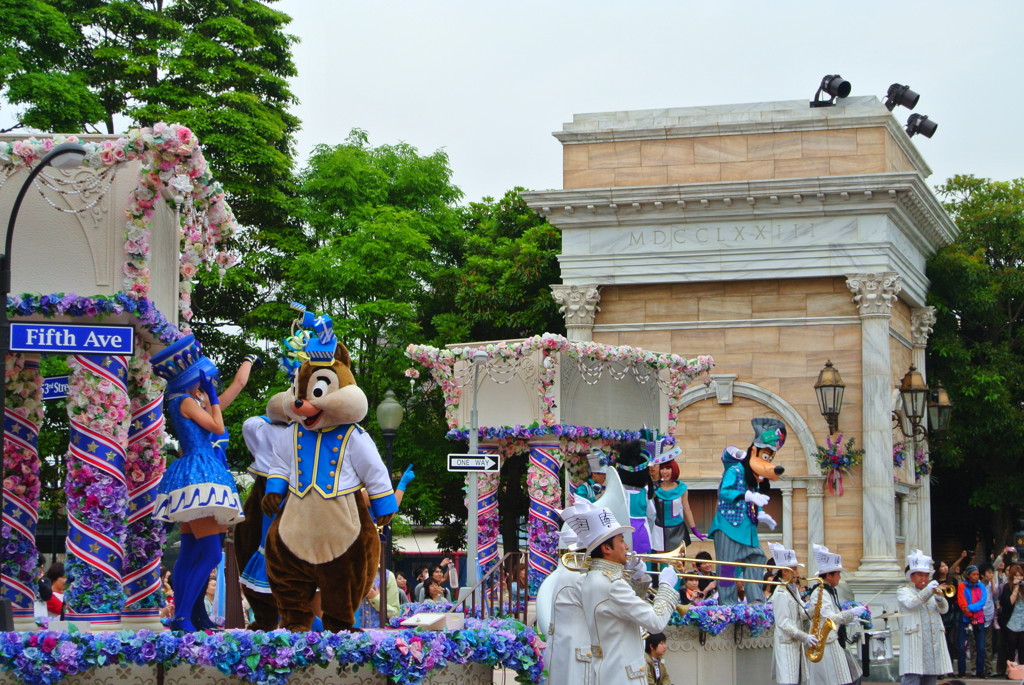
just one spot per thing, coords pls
(66, 338)
(463, 463)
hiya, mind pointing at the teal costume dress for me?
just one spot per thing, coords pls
(198, 483)
(669, 522)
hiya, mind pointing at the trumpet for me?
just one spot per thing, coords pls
(946, 590)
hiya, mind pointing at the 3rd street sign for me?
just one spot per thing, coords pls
(473, 463)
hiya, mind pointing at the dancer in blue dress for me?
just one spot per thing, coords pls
(197, 491)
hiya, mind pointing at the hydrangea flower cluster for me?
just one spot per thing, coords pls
(404, 656)
(922, 465)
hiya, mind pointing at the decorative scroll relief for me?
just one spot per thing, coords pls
(922, 319)
(577, 303)
(875, 294)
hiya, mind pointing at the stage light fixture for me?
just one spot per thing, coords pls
(834, 86)
(920, 123)
(900, 95)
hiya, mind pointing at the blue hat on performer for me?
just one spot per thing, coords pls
(769, 433)
(180, 364)
(322, 342)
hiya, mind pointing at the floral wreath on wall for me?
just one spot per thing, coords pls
(836, 458)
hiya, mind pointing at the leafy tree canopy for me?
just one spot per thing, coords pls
(976, 347)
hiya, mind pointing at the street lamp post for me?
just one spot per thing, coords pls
(479, 359)
(63, 156)
(389, 416)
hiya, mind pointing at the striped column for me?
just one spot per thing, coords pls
(144, 467)
(545, 495)
(96, 487)
(22, 415)
(487, 516)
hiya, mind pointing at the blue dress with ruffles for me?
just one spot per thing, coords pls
(198, 483)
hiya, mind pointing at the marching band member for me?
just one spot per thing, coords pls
(614, 613)
(837, 666)
(923, 653)
(791, 618)
(568, 639)
(594, 486)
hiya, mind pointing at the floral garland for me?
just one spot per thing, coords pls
(837, 459)
(404, 656)
(712, 618)
(441, 364)
(563, 431)
(173, 167)
(69, 304)
(922, 465)
(95, 497)
(899, 454)
(23, 388)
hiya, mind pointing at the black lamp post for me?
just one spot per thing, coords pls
(389, 416)
(914, 394)
(939, 409)
(63, 156)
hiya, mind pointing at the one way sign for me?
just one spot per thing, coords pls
(472, 462)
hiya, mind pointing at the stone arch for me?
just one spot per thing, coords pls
(794, 421)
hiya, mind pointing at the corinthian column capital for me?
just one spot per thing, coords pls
(578, 304)
(921, 321)
(874, 294)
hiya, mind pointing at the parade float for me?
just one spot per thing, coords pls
(117, 240)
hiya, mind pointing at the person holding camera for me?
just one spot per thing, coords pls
(1011, 615)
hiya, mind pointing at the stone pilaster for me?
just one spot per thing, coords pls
(921, 321)
(578, 304)
(874, 295)
(787, 518)
(815, 517)
(912, 521)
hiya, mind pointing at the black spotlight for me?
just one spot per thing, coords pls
(900, 95)
(920, 123)
(834, 86)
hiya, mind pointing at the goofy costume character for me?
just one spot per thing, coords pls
(741, 498)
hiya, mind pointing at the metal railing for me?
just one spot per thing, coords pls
(492, 597)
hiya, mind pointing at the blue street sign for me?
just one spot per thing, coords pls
(67, 338)
(55, 387)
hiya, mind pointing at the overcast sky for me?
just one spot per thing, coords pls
(490, 81)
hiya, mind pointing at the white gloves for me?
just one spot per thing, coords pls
(810, 640)
(668, 577)
(930, 587)
(636, 569)
(767, 520)
(756, 498)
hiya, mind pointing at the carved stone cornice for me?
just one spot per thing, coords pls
(816, 487)
(921, 321)
(578, 304)
(874, 294)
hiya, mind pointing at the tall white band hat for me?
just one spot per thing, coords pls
(918, 562)
(826, 561)
(592, 525)
(783, 556)
(667, 456)
(598, 459)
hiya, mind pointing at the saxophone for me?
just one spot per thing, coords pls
(819, 629)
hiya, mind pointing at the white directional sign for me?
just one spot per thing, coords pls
(473, 463)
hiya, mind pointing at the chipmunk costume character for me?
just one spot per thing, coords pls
(325, 538)
(740, 501)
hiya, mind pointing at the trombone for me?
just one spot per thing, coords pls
(580, 562)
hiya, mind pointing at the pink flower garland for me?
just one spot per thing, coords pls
(441, 364)
(173, 169)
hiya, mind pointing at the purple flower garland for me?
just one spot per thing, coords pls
(404, 656)
(96, 307)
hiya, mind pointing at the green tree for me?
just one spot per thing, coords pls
(374, 219)
(976, 347)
